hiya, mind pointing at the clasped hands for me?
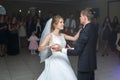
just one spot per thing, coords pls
(57, 47)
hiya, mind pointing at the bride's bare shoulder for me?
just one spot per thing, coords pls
(49, 35)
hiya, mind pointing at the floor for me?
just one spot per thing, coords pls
(27, 67)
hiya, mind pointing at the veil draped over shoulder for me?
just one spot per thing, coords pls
(45, 53)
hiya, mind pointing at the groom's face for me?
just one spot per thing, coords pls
(82, 18)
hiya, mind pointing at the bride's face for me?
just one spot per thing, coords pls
(60, 24)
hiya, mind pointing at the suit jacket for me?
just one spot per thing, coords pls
(85, 48)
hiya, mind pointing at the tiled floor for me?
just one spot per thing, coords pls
(27, 67)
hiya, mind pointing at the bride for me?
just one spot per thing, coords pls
(57, 66)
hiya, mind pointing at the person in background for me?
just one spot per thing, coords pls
(13, 39)
(118, 44)
(38, 28)
(33, 43)
(96, 24)
(116, 24)
(22, 33)
(106, 36)
(3, 36)
(115, 30)
(70, 25)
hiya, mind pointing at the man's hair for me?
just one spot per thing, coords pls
(89, 13)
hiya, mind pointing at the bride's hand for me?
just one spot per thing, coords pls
(56, 47)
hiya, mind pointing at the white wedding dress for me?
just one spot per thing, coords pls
(57, 66)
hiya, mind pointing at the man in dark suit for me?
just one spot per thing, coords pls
(85, 47)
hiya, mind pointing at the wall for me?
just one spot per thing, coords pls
(13, 7)
(114, 9)
(62, 9)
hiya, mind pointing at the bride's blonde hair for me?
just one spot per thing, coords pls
(55, 20)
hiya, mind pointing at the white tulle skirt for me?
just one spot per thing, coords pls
(57, 67)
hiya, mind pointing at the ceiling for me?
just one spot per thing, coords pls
(48, 1)
(69, 2)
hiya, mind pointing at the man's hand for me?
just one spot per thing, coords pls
(69, 47)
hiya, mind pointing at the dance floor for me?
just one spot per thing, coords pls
(25, 66)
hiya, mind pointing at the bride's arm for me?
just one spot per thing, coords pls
(44, 45)
(72, 38)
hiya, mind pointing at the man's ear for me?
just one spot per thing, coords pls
(85, 18)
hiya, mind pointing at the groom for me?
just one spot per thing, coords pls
(85, 47)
